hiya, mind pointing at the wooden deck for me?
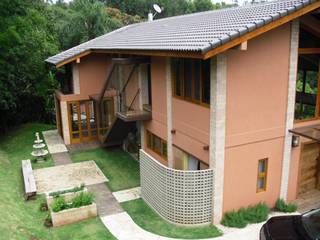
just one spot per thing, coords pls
(307, 201)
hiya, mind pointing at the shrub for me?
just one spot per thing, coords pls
(83, 199)
(241, 218)
(282, 206)
(256, 214)
(234, 219)
(59, 204)
(75, 189)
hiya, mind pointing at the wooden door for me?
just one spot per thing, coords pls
(308, 168)
(82, 121)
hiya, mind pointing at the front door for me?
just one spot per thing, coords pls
(309, 168)
(82, 121)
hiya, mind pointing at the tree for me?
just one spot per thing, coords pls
(202, 5)
(25, 40)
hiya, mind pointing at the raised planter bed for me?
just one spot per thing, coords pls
(67, 196)
(73, 215)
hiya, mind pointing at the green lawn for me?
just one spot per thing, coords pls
(118, 166)
(149, 220)
(22, 220)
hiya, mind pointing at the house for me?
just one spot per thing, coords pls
(223, 104)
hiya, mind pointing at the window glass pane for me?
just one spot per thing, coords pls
(92, 119)
(307, 86)
(260, 183)
(206, 82)
(177, 76)
(164, 148)
(262, 166)
(197, 78)
(83, 116)
(157, 144)
(187, 78)
(74, 117)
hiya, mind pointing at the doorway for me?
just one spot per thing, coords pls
(82, 121)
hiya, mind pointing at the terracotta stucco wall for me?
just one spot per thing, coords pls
(191, 122)
(255, 121)
(93, 73)
(158, 124)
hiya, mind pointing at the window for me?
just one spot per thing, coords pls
(157, 144)
(262, 175)
(191, 80)
(307, 87)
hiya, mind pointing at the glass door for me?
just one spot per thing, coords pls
(82, 121)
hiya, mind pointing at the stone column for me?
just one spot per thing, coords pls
(143, 86)
(293, 67)
(217, 130)
(169, 112)
(75, 78)
(65, 122)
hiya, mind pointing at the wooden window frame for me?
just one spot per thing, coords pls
(306, 51)
(182, 79)
(262, 175)
(150, 144)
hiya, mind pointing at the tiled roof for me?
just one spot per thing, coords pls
(198, 32)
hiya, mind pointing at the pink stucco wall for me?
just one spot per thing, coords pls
(93, 73)
(192, 124)
(257, 81)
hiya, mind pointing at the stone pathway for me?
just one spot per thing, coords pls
(128, 194)
(106, 203)
(54, 142)
(62, 158)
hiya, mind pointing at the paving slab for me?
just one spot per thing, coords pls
(54, 141)
(128, 194)
(68, 176)
(61, 158)
(106, 203)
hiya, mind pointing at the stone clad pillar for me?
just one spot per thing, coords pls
(169, 112)
(217, 131)
(293, 68)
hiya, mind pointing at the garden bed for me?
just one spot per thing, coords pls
(73, 215)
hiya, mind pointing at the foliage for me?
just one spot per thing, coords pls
(234, 219)
(72, 190)
(21, 219)
(149, 220)
(282, 206)
(80, 200)
(170, 8)
(59, 204)
(241, 218)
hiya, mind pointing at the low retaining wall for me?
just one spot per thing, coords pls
(181, 197)
(73, 215)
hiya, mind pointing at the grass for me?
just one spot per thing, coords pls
(241, 218)
(22, 220)
(149, 220)
(282, 206)
(118, 166)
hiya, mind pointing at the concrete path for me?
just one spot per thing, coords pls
(123, 227)
(54, 142)
(128, 194)
(106, 203)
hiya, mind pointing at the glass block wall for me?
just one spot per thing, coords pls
(181, 197)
